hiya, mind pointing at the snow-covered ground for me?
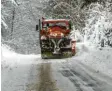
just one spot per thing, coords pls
(99, 59)
(89, 70)
(16, 70)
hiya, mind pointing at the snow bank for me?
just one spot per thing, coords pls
(17, 70)
(7, 51)
(99, 59)
(12, 59)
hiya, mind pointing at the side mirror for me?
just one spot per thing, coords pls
(37, 27)
(70, 26)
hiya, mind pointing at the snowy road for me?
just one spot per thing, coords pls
(53, 75)
(75, 76)
(31, 73)
(71, 75)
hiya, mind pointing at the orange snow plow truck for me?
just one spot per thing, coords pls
(54, 36)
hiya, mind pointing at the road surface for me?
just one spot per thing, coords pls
(53, 75)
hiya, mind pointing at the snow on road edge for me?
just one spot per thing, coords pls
(99, 59)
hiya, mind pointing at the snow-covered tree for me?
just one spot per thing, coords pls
(98, 28)
(19, 18)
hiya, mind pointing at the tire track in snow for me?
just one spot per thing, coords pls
(42, 74)
(82, 80)
(90, 81)
(46, 81)
(97, 75)
(70, 76)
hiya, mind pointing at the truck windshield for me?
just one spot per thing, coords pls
(59, 24)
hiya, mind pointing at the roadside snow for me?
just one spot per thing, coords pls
(100, 59)
(10, 58)
(16, 68)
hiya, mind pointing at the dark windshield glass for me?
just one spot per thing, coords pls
(59, 24)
